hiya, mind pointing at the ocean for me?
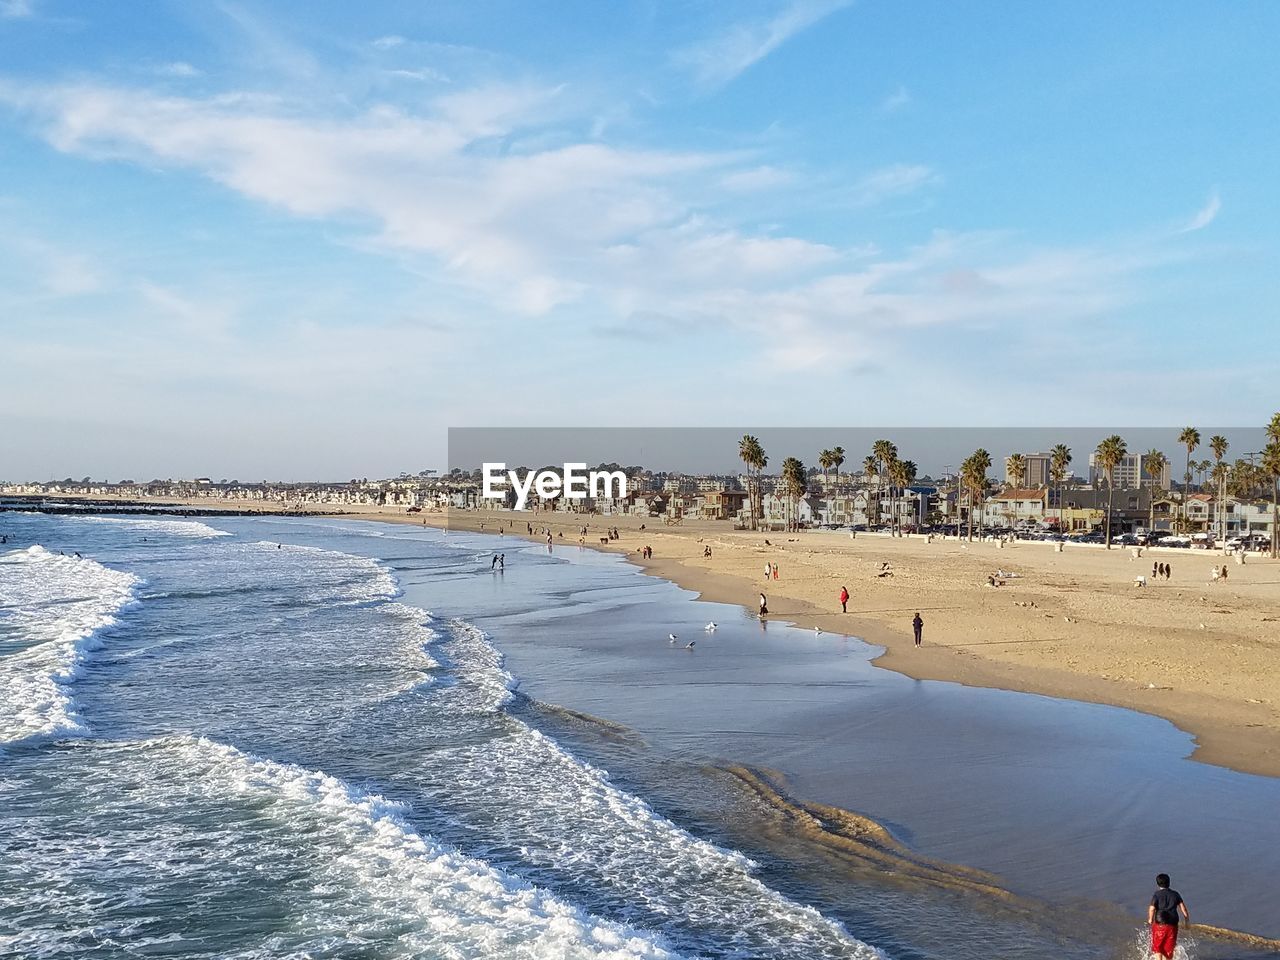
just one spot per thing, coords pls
(308, 739)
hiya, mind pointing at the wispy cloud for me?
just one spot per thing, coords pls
(897, 180)
(388, 42)
(178, 68)
(1205, 215)
(15, 9)
(895, 101)
(719, 60)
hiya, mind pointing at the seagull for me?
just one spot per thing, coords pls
(672, 637)
(817, 629)
(689, 645)
(710, 627)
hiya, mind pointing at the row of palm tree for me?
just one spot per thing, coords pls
(1241, 478)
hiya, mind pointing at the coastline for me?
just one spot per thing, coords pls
(1204, 656)
(1229, 730)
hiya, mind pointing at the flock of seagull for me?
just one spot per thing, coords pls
(709, 628)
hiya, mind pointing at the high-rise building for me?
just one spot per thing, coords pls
(1035, 474)
(1129, 473)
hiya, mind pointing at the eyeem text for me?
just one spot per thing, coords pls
(576, 482)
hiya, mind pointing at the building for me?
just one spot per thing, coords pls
(722, 504)
(1018, 505)
(1037, 471)
(1129, 472)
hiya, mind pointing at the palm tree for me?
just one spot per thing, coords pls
(973, 472)
(1015, 467)
(795, 483)
(883, 452)
(904, 474)
(751, 453)
(1154, 461)
(1059, 463)
(869, 469)
(837, 461)
(1219, 445)
(825, 459)
(1189, 438)
(1110, 452)
(1271, 465)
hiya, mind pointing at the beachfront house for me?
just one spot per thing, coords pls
(1018, 506)
(722, 504)
(1198, 510)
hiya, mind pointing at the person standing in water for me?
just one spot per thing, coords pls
(764, 605)
(1162, 916)
(917, 627)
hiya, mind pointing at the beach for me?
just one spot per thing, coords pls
(1073, 625)
(351, 709)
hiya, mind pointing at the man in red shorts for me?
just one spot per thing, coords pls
(1162, 915)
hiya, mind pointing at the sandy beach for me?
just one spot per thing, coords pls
(1203, 655)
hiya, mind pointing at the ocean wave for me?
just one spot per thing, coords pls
(56, 609)
(526, 793)
(364, 581)
(452, 904)
(179, 528)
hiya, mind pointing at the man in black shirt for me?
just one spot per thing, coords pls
(1162, 915)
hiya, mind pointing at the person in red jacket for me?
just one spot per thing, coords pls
(844, 599)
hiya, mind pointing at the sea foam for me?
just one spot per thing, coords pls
(443, 901)
(55, 609)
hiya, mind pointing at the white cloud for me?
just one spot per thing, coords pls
(896, 180)
(718, 61)
(179, 68)
(15, 9)
(487, 188)
(895, 101)
(422, 74)
(388, 42)
(757, 178)
(1205, 215)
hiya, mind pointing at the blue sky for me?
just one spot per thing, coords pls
(240, 240)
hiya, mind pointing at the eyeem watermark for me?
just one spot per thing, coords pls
(575, 482)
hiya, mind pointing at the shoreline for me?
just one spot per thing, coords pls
(1205, 657)
(1244, 739)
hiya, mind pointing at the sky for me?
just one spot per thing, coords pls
(271, 240)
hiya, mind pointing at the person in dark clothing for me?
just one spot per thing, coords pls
(1162, 916)
(764, 605)
(917, 626)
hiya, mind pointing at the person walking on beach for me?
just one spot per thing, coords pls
(917, 627)
(494, 565)
(768, 569)
(844, 599)
(775, 571)
(1168, 570)
(1162, 916)
(764, 605)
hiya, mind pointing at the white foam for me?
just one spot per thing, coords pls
(56, 608)
(174, 527)
(444, 903)
(368, 580)
(562, 811)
